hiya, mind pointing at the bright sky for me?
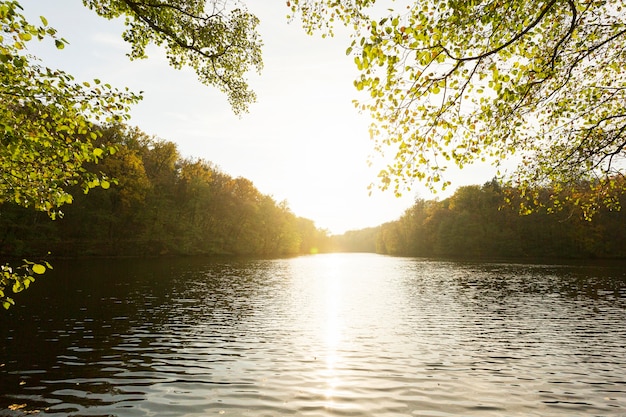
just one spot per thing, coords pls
(302, 141)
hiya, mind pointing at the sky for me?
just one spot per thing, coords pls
(302, 141)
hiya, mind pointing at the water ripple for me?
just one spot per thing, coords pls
(329, 335)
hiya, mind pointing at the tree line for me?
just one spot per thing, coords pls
(151, 201)
(485, 221)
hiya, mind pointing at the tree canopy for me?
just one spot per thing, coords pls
(455, 82)
(46, 120)
(219, 42)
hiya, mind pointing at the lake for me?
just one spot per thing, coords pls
(320, 335)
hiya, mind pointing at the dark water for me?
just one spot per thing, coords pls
(324, 335)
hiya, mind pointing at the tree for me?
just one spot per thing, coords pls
(221, 45)
(462, 81)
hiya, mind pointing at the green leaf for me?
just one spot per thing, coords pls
(59, 44)
(39, 269)
(18, 287)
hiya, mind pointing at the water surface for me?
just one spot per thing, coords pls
(324, 335)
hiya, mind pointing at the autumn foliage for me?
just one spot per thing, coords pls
(159, 203)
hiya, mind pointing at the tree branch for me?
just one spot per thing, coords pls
(572, 27)
(159, 5)
(507, 43)
(171, 35)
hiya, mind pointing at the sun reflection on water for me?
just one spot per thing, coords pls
(333, 329)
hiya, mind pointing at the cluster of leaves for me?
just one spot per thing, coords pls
(161, 204)
(477, 222)
(463, 81)
(18, 279)
(220, 43)
(46, 120)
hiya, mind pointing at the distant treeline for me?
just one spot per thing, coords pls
(477, 222)
(159, 204)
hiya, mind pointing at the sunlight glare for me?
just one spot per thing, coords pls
(333, 326)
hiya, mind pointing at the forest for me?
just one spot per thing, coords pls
(477, 221)
(153, 202)
(150, 201)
